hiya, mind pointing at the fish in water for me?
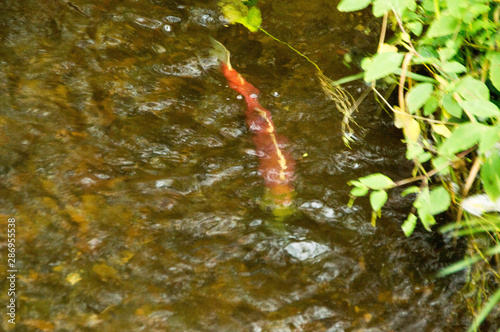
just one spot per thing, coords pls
(276, 164)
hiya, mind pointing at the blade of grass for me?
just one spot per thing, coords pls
(415, 77)
(347, 79)
(493, 301)
(482, 229)
(467, 262)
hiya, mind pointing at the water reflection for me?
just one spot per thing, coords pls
(127, 163)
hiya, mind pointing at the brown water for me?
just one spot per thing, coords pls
(127, 165)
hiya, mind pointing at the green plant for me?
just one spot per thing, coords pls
(249, 15)
(444, 58)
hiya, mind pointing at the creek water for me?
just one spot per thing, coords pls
(134, 182)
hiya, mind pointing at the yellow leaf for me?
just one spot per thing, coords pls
(400, 117)
(126, 256)
(387, 48)
(412, 130)
(104, 271)
(441, 130)
(73, 278)
(57, 268)
(39, 324)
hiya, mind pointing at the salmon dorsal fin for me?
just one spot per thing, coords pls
(221, 52)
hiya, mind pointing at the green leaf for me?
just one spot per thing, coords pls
(359, 191)
(234, 11)
(426, 218)
(439, 201)
(453, 67)
(470, 89)
(237, 12)
(414, 150)
(443, 26)
(410, 190)
(463, 137)
(474, 11)
(415, 27)
(451, 105)
(356, 184)
(457, 8)
(442, 164)
(431, 105)
(446, 53)
(352, 5)
(428, 5)
(380, 7)
(431, 203)
(254, 19)
(495, 69)
(489, 138)
(418, 96)
(378, 199)
(482, 108)
(382, 65)
(250, 3)
(377, 181)
(409, 224)
(490, 176)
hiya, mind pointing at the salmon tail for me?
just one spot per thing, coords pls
(221, 52)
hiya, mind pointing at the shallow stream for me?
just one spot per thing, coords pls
(125, 159)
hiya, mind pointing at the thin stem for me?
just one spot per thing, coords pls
(402, 78)
(292, 48)
(400, 24)
(434, 171)
(382, 31)
(405, 113)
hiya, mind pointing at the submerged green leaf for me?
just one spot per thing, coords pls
(237, 12)
(254, 19)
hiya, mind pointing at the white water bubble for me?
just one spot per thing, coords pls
(173, 19)
(305, 250)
